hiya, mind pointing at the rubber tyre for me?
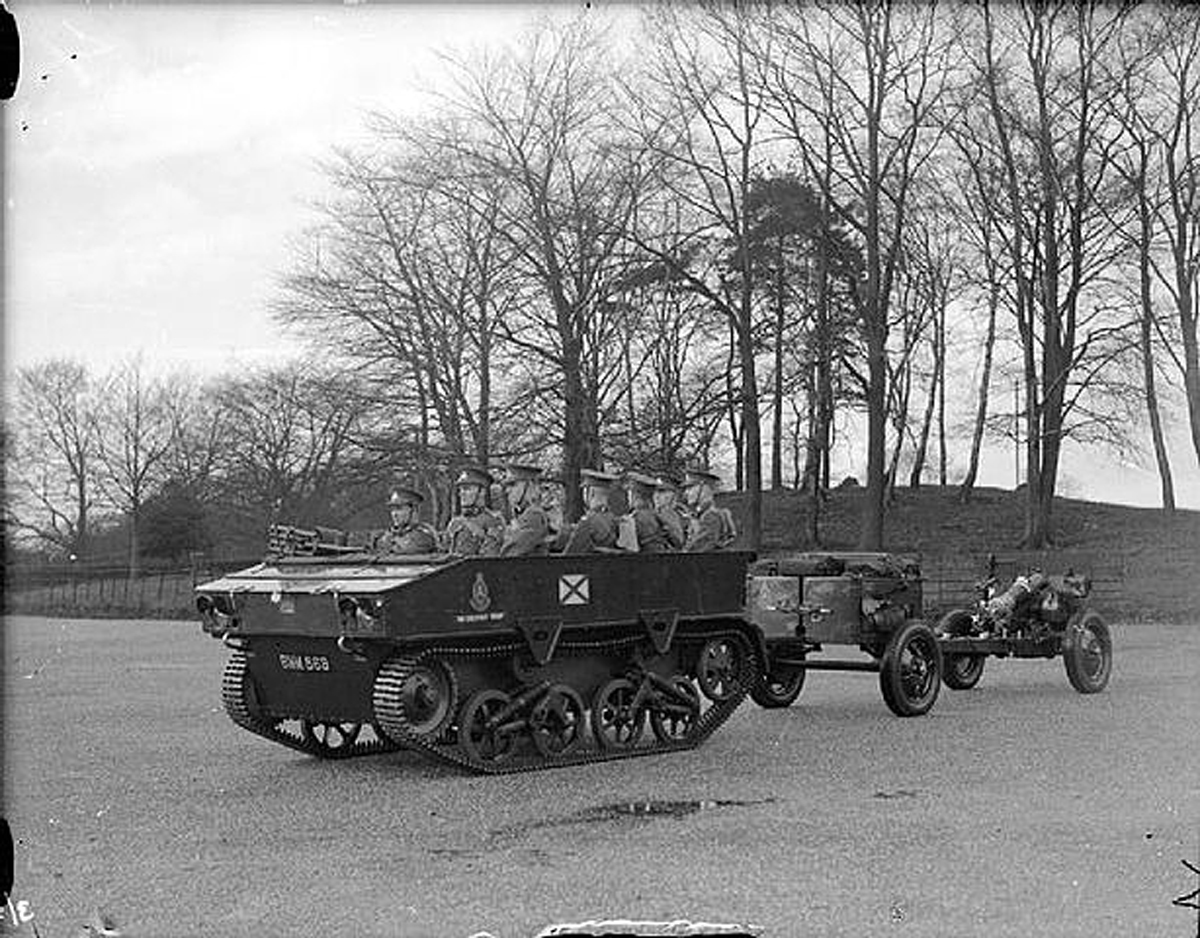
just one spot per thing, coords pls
(910, 674)
(779, 688)
(1087, 652)
(962, 672)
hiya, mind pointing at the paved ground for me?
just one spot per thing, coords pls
(1019, 808)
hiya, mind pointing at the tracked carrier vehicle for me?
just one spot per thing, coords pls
(492, 664)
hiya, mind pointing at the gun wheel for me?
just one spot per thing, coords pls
(1087, 653)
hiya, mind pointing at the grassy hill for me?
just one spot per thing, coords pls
(1145, 564)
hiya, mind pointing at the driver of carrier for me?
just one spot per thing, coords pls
(527, 531)
(408, 534)
(476, 530)
(711, 527)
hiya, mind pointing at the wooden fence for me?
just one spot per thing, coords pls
(949, 583)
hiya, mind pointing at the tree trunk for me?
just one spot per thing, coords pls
(968, 484)
(1147, 344)
(777, 403)
(918, 466)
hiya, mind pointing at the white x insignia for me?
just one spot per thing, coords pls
(574, 589)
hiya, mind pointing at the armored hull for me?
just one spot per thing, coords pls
(493, 664)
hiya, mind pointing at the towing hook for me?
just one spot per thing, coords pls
(355, 652)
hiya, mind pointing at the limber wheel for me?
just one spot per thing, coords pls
(718, 667)
(672, 720)
(557, 721)
(331, 739)
(778, 688)
(428, 697)
(615, 722)
(478, 740)
(911, 670)
(1087, 653)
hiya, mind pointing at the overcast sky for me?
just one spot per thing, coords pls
(158, 158)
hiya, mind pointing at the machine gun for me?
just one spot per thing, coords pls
(285, 540)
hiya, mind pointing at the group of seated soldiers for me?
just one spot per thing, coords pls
(653, 524)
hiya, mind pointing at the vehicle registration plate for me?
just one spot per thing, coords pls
(303, 662)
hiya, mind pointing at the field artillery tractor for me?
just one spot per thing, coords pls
(1037, 616)
(804, 602)
(491, 664)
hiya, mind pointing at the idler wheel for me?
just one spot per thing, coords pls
(330, 739)
(557, 721)
(718, 667)
(673, 719)
(481, 741)
(427, 696)
(616, 723)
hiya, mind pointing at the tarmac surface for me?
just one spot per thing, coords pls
(1018, 808)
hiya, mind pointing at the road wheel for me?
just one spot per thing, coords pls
(557, 721)
(674, 720)
(1087, 653)
(615, 722)
(718, 668)
(911, 670)
(779, 688)
(482, 742)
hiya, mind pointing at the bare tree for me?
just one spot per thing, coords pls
(535, 122)
(1178, 80)
(865, 79)
(1139, 111)
(136, 424)
(51, 455)
(1057, 166)
(294, 441)
(699, 115)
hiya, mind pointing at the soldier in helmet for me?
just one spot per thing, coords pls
(476, 530)
(674, 521)
(408, 534)
(712, 528)
(597, 529)
(653, 535)
(526, 532)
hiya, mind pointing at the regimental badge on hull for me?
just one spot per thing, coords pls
(481, 599)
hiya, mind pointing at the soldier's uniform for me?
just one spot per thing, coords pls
(712, 528)
(553, 505)
(596, 530)
(476, 530)
(674, 521)
(526, 533)
(653, 535)
(407, 535)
